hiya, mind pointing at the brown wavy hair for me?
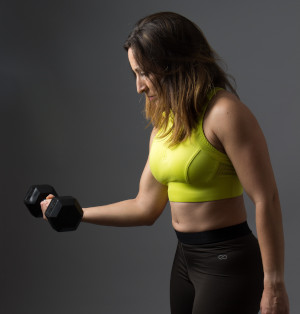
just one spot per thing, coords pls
(174, 53)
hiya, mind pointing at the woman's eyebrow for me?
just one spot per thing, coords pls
(137, 69)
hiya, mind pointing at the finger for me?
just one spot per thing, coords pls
(44, 204)
(50, 196)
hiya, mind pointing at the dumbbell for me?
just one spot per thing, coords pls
(64, 213)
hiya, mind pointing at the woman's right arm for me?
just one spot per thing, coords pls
(142, 210)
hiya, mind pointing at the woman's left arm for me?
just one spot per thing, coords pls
(243, 140)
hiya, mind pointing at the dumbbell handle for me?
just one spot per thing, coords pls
(35, 195)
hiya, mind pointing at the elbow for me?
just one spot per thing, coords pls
(149, 213)
(268, 204)
(150, 221)
(269, 198)
(154, 215)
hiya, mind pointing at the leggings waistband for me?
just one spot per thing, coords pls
(212, 236)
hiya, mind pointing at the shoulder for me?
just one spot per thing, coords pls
(224, 103)
(227, 116)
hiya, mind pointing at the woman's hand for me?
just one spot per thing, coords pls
(274, 301)
(45, 203)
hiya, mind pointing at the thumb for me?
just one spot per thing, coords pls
(50, 196)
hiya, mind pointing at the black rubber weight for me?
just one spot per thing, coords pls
(64, 213)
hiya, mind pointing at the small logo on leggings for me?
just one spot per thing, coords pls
(222, 256)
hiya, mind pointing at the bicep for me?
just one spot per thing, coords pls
(245, 145)
(152, 196)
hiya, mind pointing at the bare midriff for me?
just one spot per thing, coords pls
(203, 216)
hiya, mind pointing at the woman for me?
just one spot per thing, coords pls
(206, 147)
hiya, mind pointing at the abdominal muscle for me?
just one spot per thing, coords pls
(203, 216)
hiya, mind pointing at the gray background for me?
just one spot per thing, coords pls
(70, 117)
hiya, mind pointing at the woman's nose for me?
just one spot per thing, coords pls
(140, 85)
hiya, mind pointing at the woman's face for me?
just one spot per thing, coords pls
(143, 82)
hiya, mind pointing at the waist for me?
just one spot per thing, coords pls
(213, 236)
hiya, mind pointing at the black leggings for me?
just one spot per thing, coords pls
(217, 272)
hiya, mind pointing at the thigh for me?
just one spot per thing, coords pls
(182, 291)
(227, 276)
(226, 296)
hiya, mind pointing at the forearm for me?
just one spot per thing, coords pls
(271, 240)
(121, 214)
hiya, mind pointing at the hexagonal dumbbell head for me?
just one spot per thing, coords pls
(35, 195)
(64, 213)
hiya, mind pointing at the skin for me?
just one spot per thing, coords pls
(231, 127)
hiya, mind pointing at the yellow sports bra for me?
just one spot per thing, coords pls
(194, 170)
